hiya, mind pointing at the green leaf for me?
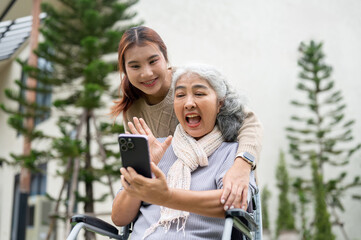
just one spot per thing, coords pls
(356, 196)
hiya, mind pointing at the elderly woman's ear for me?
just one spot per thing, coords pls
(220, 104)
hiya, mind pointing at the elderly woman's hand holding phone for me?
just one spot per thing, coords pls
(154, 190)
(151, 190)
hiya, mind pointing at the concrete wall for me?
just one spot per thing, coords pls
(255, 44)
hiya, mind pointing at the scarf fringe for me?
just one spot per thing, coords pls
(166, 226)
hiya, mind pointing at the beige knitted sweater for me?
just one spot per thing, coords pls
(162, 120)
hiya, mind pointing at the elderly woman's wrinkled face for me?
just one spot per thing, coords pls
(195, 105)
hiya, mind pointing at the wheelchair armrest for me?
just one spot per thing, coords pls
(244, 217)
(96, 222)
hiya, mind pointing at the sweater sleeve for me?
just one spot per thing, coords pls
(125, 122)
(250, 135)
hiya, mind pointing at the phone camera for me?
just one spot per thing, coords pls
(122, 141)
(130, 145)
(123, 147)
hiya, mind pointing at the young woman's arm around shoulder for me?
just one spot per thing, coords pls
(236, 180)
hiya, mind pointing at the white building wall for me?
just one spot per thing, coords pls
(255, 44)
(9, 143)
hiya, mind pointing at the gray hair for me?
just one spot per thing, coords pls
(230, 117)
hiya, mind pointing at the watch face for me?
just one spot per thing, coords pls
(249, 156)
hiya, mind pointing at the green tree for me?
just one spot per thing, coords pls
(265, 196)
(320, 132)
(77, 35)
(285, 219)
(301, 190)
(323, 228)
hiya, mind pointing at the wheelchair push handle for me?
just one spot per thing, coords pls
(94, 222)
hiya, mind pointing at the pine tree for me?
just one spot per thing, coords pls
(322, 217)
(322, 132)
(77, 34)
(303, 199)
(285, 219)
(265, 195)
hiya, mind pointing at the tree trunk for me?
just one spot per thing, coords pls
(89, 205)
(25, 174)
(103, 154)
(75, 174)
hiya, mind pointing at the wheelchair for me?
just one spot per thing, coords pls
(249, 224)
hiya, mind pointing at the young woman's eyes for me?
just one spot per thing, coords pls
(134, 66)
(153, 61)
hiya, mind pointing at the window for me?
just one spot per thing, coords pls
(42, 99)
(38, 187)
(38, 181)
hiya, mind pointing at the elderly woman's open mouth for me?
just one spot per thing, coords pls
(193, 119)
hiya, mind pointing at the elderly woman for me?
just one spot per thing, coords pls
(186, 188)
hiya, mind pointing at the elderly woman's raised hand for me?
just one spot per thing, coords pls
(156, 148)
(151, 190)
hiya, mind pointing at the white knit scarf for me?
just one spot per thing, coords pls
(191, 154)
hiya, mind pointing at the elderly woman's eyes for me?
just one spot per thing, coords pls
(178, 95)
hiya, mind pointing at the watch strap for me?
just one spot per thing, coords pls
(249, 158)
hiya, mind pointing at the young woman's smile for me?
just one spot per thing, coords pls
(150, 83)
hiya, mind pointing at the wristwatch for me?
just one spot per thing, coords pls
(249, 158)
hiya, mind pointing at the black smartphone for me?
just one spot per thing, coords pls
(134, 151)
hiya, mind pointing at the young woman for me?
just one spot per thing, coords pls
(147, 93)
(202, 150)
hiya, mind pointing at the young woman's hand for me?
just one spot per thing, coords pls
(235, 185)
(151, 190)
(156, 148)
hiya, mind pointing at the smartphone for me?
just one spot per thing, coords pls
(134, 151)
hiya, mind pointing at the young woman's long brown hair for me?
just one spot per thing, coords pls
(136, 36)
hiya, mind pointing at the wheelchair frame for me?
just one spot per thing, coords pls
(248, 224)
